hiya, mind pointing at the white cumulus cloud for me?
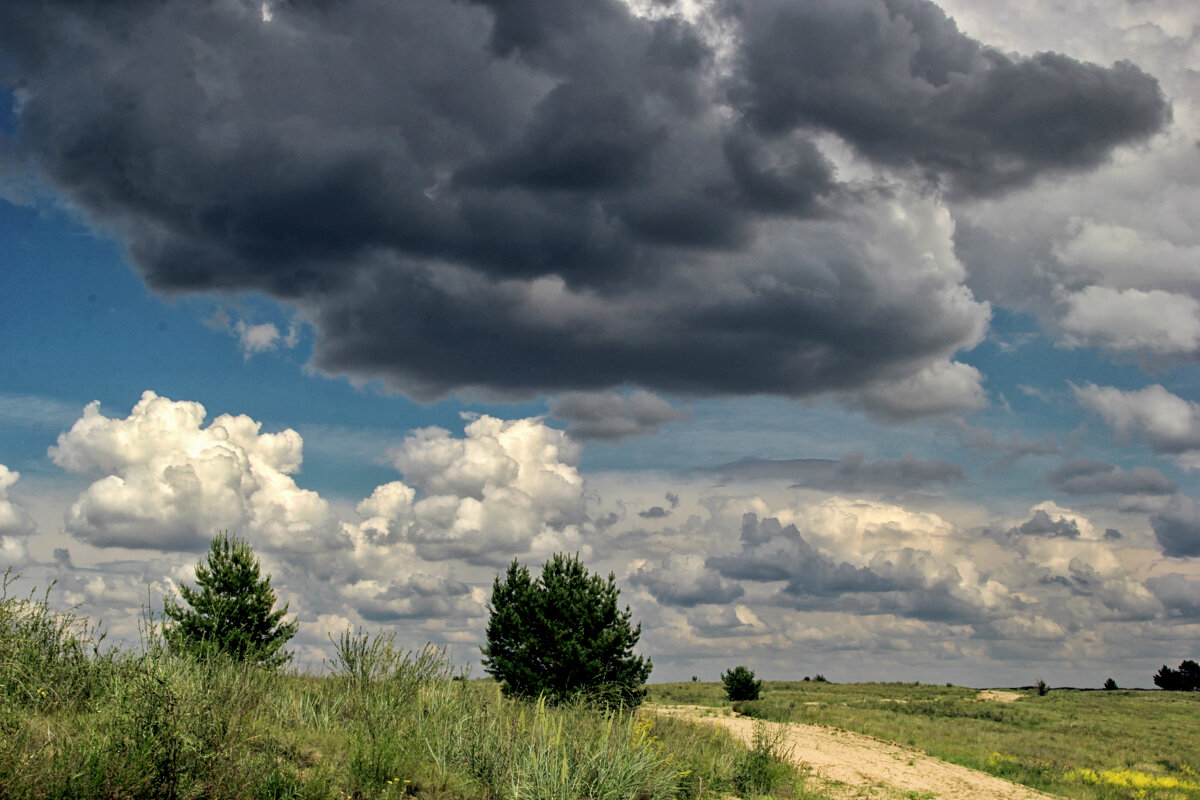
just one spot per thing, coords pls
(170, 483)
(503, 489)
(15, 523)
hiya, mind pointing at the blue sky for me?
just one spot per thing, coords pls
(839, 362)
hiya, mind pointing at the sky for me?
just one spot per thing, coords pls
(854, 337)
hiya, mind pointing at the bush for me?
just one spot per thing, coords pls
(232, 613)
(740, 684)
(762, 768)
(563, 636)
(1110, 684)
(1042, 687)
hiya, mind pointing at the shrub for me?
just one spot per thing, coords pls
(562, 636)
(232, 611)
(1110, 684)
(1042, 687)
(762, 768)
(740, 684)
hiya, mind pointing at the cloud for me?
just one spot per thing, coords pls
(611, 416)
(505, 488)
(16, 526)
(1040, 524)
(685, 580)
(1177, 527)
(515, 198)
(170, 483)
(1086, 476)
(253, 338)
(944, 387)
(1179, 593)
(901, 83)
(1153, 322)
(891, 578)
(853, 472)
(1168, 423)
(1011, 451)
(416, 596)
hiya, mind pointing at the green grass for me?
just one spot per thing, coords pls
(1100, 745)
(76, 722)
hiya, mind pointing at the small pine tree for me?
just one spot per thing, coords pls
(740, 684)
(1110, 684)
(563, 636)
(232, 611)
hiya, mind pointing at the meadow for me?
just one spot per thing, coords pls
(1098, 745)
(81, 721)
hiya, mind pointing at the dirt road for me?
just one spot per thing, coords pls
(851, 765)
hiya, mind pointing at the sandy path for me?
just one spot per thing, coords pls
(851, 765)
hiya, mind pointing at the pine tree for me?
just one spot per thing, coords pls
(232, 611)
(740, 684)
(563, 636)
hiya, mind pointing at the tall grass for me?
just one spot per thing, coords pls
(76, 722)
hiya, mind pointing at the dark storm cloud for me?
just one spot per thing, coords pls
(1081, 476)
(899, 81)
(552, 195)
(852, 472)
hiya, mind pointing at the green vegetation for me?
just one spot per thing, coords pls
(232, 613)
(1184, 679)
(1097, 745)
(78, 722)
(562, 636)
(740, 684)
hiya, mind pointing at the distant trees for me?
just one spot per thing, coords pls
(1184, 679)
(563, 636)
(740, 684)
(232, 612)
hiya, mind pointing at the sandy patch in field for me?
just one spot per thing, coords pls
(999, 695)
(850, 765)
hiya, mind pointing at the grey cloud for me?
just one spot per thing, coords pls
(851, 472)
(772, 552)
(654, 512)
(610, 416)
(905, 582)
(1167, 422)
(1081, 476)
(1177, 527)
(1009, 452)
(420, 596)
(898, 80)
(1040, 524)
(541, 196)
(1180, 594)
(686, 581)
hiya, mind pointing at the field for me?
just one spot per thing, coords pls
(77, 721)
(1084, 744)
